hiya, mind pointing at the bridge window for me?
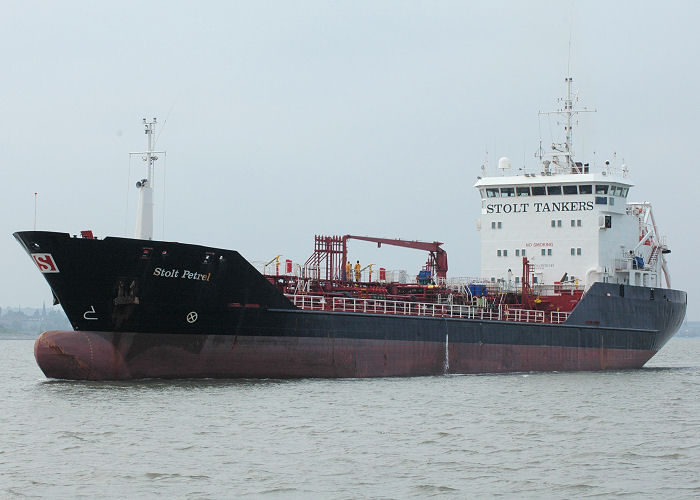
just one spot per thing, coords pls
(538, 191)
(570, 189)
(553, 190)
(601, 189)
(492, 193)
(619, 191)
(507, 192)
(522, 191)
(585, 189)
(601, 200)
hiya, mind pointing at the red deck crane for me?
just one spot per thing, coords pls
(437, 262)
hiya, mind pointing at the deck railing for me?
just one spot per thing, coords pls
(559, 316)
(400, 308)
(524, 315)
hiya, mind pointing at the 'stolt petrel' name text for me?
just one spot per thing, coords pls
(185, 274)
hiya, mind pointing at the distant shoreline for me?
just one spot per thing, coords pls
(32, 320)
(18, 336)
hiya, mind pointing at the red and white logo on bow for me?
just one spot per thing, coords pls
(45, 262)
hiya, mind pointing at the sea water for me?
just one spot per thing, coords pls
(532, 435)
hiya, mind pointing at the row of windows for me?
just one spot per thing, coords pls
(553, 222)
(545, 252)
(548, 251)
(507, 192)
(504, 253)
(574, 223)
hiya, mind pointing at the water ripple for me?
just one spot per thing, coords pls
(633, 433)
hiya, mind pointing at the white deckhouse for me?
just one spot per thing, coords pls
(574, 226)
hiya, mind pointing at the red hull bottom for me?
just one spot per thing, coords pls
(79, 355)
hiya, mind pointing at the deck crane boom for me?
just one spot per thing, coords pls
(437, 260)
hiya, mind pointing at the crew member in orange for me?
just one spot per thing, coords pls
(348, 271)
(358, 271)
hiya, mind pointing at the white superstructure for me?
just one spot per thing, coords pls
(573, 225)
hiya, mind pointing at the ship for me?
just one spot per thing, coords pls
(573, 277)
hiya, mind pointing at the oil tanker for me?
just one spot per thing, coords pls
(573, 277)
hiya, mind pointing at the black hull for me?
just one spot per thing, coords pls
(144, 325)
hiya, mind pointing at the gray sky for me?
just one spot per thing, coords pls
(287, 119)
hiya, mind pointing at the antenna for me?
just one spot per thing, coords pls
(568, 62)
(485, 164)
(568, 112)
(35, 195)
(144, 213)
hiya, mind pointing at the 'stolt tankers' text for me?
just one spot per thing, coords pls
(522, 208)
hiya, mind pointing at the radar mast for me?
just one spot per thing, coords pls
(567, 112)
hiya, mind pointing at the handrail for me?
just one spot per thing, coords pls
(559, 316)
(401, 308)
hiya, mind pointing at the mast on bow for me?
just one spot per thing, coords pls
(144, 213)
